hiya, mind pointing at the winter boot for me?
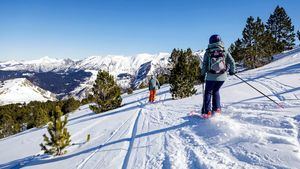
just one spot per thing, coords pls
(207, 115)
(218, 111)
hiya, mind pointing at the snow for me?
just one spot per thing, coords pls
(252, 132)
(115, 64)
(43, 64)
(20, 90)
(118, 65)
(85, 88)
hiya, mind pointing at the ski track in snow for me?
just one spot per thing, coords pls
(81, 165)
(93, 153)
(134, 130)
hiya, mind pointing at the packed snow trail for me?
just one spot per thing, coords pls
(251, 132)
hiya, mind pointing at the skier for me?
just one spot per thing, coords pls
(214, 73)
(153, 86)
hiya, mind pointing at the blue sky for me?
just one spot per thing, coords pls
(30, 29)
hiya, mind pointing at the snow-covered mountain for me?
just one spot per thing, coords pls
(44, 64)
(57, 74)
(115, 64)
(85, 88)
(252, 132)
(21, 90)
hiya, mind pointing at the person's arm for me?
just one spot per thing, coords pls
(231, 62)
(158, 85)
(204, 64)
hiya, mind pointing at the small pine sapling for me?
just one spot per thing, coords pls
(59, 136)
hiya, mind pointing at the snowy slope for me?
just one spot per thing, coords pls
(21, 90)
(252, 132)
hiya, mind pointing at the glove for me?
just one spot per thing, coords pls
(202, 79)
(231, 73)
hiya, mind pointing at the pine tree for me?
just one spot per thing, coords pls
(7, 125)
(184, 74)
(143, 85)
(70, 105)
(174, 57)
(89, 99)
(59, 136)
(257, 43)
(163, 78)
(40, 117)
(236, 50)
(249, 34)
(298, 35)
(129, 91)
(268, 47)
(280, 26)
(106, 92)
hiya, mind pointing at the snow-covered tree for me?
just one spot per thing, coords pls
(298, 35)
(106, 93)
(59, 136)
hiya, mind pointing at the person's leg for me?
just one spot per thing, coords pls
(154, 95)
(216, 101)
(150, 95)
(207, 96)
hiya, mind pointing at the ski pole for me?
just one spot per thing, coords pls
(258, 91)
(203, 95)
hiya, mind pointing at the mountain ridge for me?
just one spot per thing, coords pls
(68, 78)
(21, 90)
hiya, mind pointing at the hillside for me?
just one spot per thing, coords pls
(65, 77)
(252, 132)
(21, 90)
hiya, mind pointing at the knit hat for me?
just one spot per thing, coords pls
(214, 39)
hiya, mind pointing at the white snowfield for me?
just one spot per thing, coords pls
(252, 131)
(21, 90)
